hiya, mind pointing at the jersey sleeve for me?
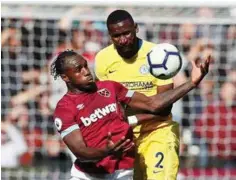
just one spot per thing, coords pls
(100, 67)
(123, 94)
(64, 119)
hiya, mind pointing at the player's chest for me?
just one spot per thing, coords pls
(134, 76)
(124, 71)
(95, 107)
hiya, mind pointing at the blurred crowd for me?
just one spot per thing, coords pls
(29, 94)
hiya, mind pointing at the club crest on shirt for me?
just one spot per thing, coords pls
(144, 69)
(104, 92)
(58, 123)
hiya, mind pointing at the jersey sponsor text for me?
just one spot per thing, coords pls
(98, 113)
(138, 85)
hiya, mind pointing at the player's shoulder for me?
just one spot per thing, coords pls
(65, 102)
(106, 82)
(105, 52)
(146, 47)
(147, 44)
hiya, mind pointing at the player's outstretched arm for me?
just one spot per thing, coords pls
(160, 101)
(76, 144)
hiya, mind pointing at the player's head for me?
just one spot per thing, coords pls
(73, 69)
(122, 30)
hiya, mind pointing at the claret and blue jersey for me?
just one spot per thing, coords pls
(96, 114)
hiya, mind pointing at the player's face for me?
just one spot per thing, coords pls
(123, 36)
(78, 75)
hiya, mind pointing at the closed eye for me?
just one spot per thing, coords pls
(78, 68)
(124, 34)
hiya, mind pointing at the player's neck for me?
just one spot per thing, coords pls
(75, 91)
(137, 46)
(90, 88)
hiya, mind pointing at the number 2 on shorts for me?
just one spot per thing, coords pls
(158, 164)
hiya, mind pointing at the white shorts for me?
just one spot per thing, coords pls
(123, 174)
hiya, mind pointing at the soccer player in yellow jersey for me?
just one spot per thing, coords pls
(124, 61)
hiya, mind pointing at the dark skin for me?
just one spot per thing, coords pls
(124, 37)
(77, 75)
(79, 79)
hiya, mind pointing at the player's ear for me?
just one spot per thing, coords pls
(65, 78)
(110, 38)
(136, 27)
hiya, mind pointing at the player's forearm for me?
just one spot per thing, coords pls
(78, 147)
(88, 153)
(162, 100)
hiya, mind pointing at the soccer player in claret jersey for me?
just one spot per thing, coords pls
(90, 122)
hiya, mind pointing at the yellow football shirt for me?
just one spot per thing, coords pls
(132, 73)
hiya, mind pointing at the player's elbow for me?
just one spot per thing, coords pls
(85, 154)
(77, 147)
(153, 107)
(158, 107)
(165, 111)
(155, 104)
(80, 152)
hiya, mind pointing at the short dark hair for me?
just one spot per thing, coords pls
(118, 16)
(59, 64)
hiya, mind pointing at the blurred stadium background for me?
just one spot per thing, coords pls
(33, 33)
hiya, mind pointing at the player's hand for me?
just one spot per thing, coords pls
(119, 147)
(199, 70)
